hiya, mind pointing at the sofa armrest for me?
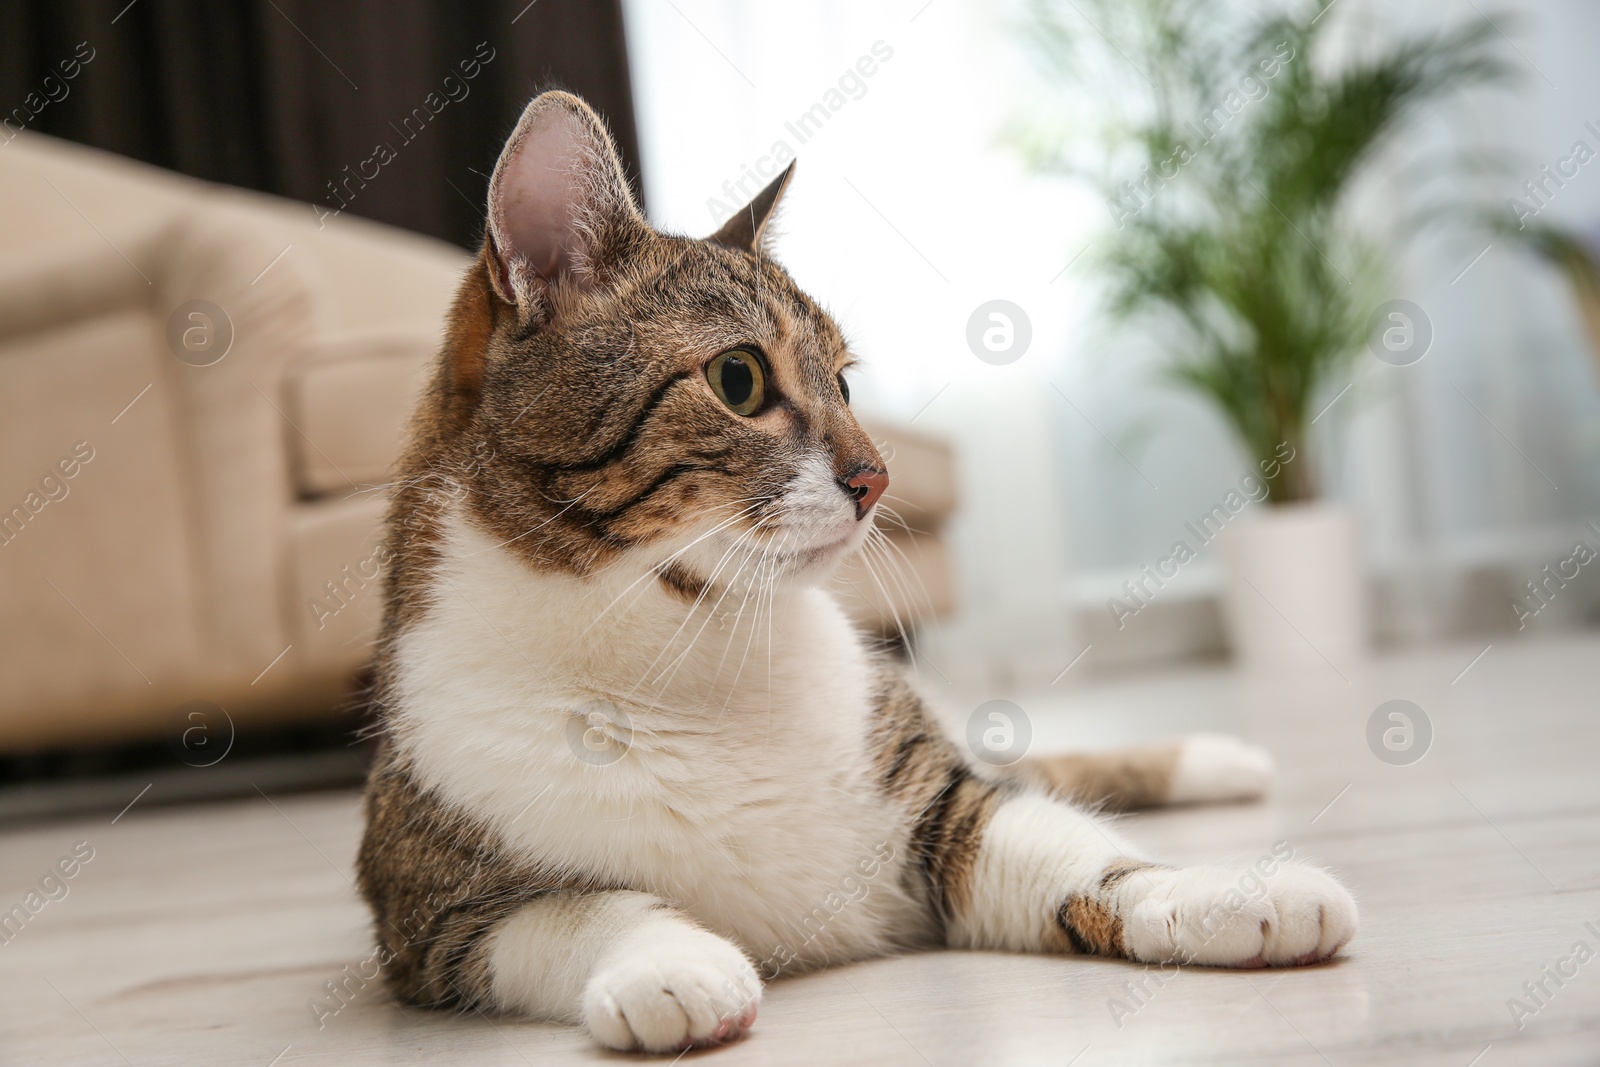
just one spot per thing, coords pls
(922, 474)
(70, 283)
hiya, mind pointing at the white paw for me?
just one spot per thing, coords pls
(681, 990)
(1214, 767)
(1230, 918)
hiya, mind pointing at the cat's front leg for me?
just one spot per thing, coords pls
(638, 973)
(1048, 877)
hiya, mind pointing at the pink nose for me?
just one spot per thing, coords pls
(865, 487)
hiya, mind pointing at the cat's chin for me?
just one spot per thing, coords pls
(809, 566)
(815, 563)
(731, 559)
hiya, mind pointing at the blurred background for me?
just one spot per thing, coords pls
(232, 232)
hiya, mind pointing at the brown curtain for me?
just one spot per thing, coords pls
(401, 105)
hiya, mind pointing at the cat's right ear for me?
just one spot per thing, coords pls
(560, 209)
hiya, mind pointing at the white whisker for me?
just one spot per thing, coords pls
(570, 505)
(683, 656)
(705, 590)
(763, 586)
(654, 569)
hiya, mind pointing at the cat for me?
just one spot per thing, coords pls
(634, 759)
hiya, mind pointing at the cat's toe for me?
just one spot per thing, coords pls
(1216, 767)
(1213, 916)
(673, 1000)
(1316, 916)
(1198, 915)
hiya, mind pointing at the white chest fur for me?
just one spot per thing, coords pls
(743, 791)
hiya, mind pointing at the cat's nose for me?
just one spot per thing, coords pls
(865, 487)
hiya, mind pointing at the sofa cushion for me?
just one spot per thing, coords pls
(350, 401)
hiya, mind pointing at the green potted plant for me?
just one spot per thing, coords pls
(1226, 149)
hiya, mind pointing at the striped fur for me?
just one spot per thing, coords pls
(635, 760)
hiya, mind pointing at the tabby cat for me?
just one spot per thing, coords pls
(635, 760)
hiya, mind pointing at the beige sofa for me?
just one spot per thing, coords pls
(172, 531)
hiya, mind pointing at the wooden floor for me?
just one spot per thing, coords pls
(201, 935)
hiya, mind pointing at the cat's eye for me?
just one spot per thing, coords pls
(844, 388)
(739, 380)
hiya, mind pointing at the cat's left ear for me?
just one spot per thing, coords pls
(560, 208)
(744, 228)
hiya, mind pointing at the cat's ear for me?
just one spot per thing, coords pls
(560, 208)
(744, 228)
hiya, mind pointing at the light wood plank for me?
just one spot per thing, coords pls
(199, 935)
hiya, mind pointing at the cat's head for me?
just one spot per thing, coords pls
(611, 391)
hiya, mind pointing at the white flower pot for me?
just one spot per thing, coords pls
(1295, 591)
